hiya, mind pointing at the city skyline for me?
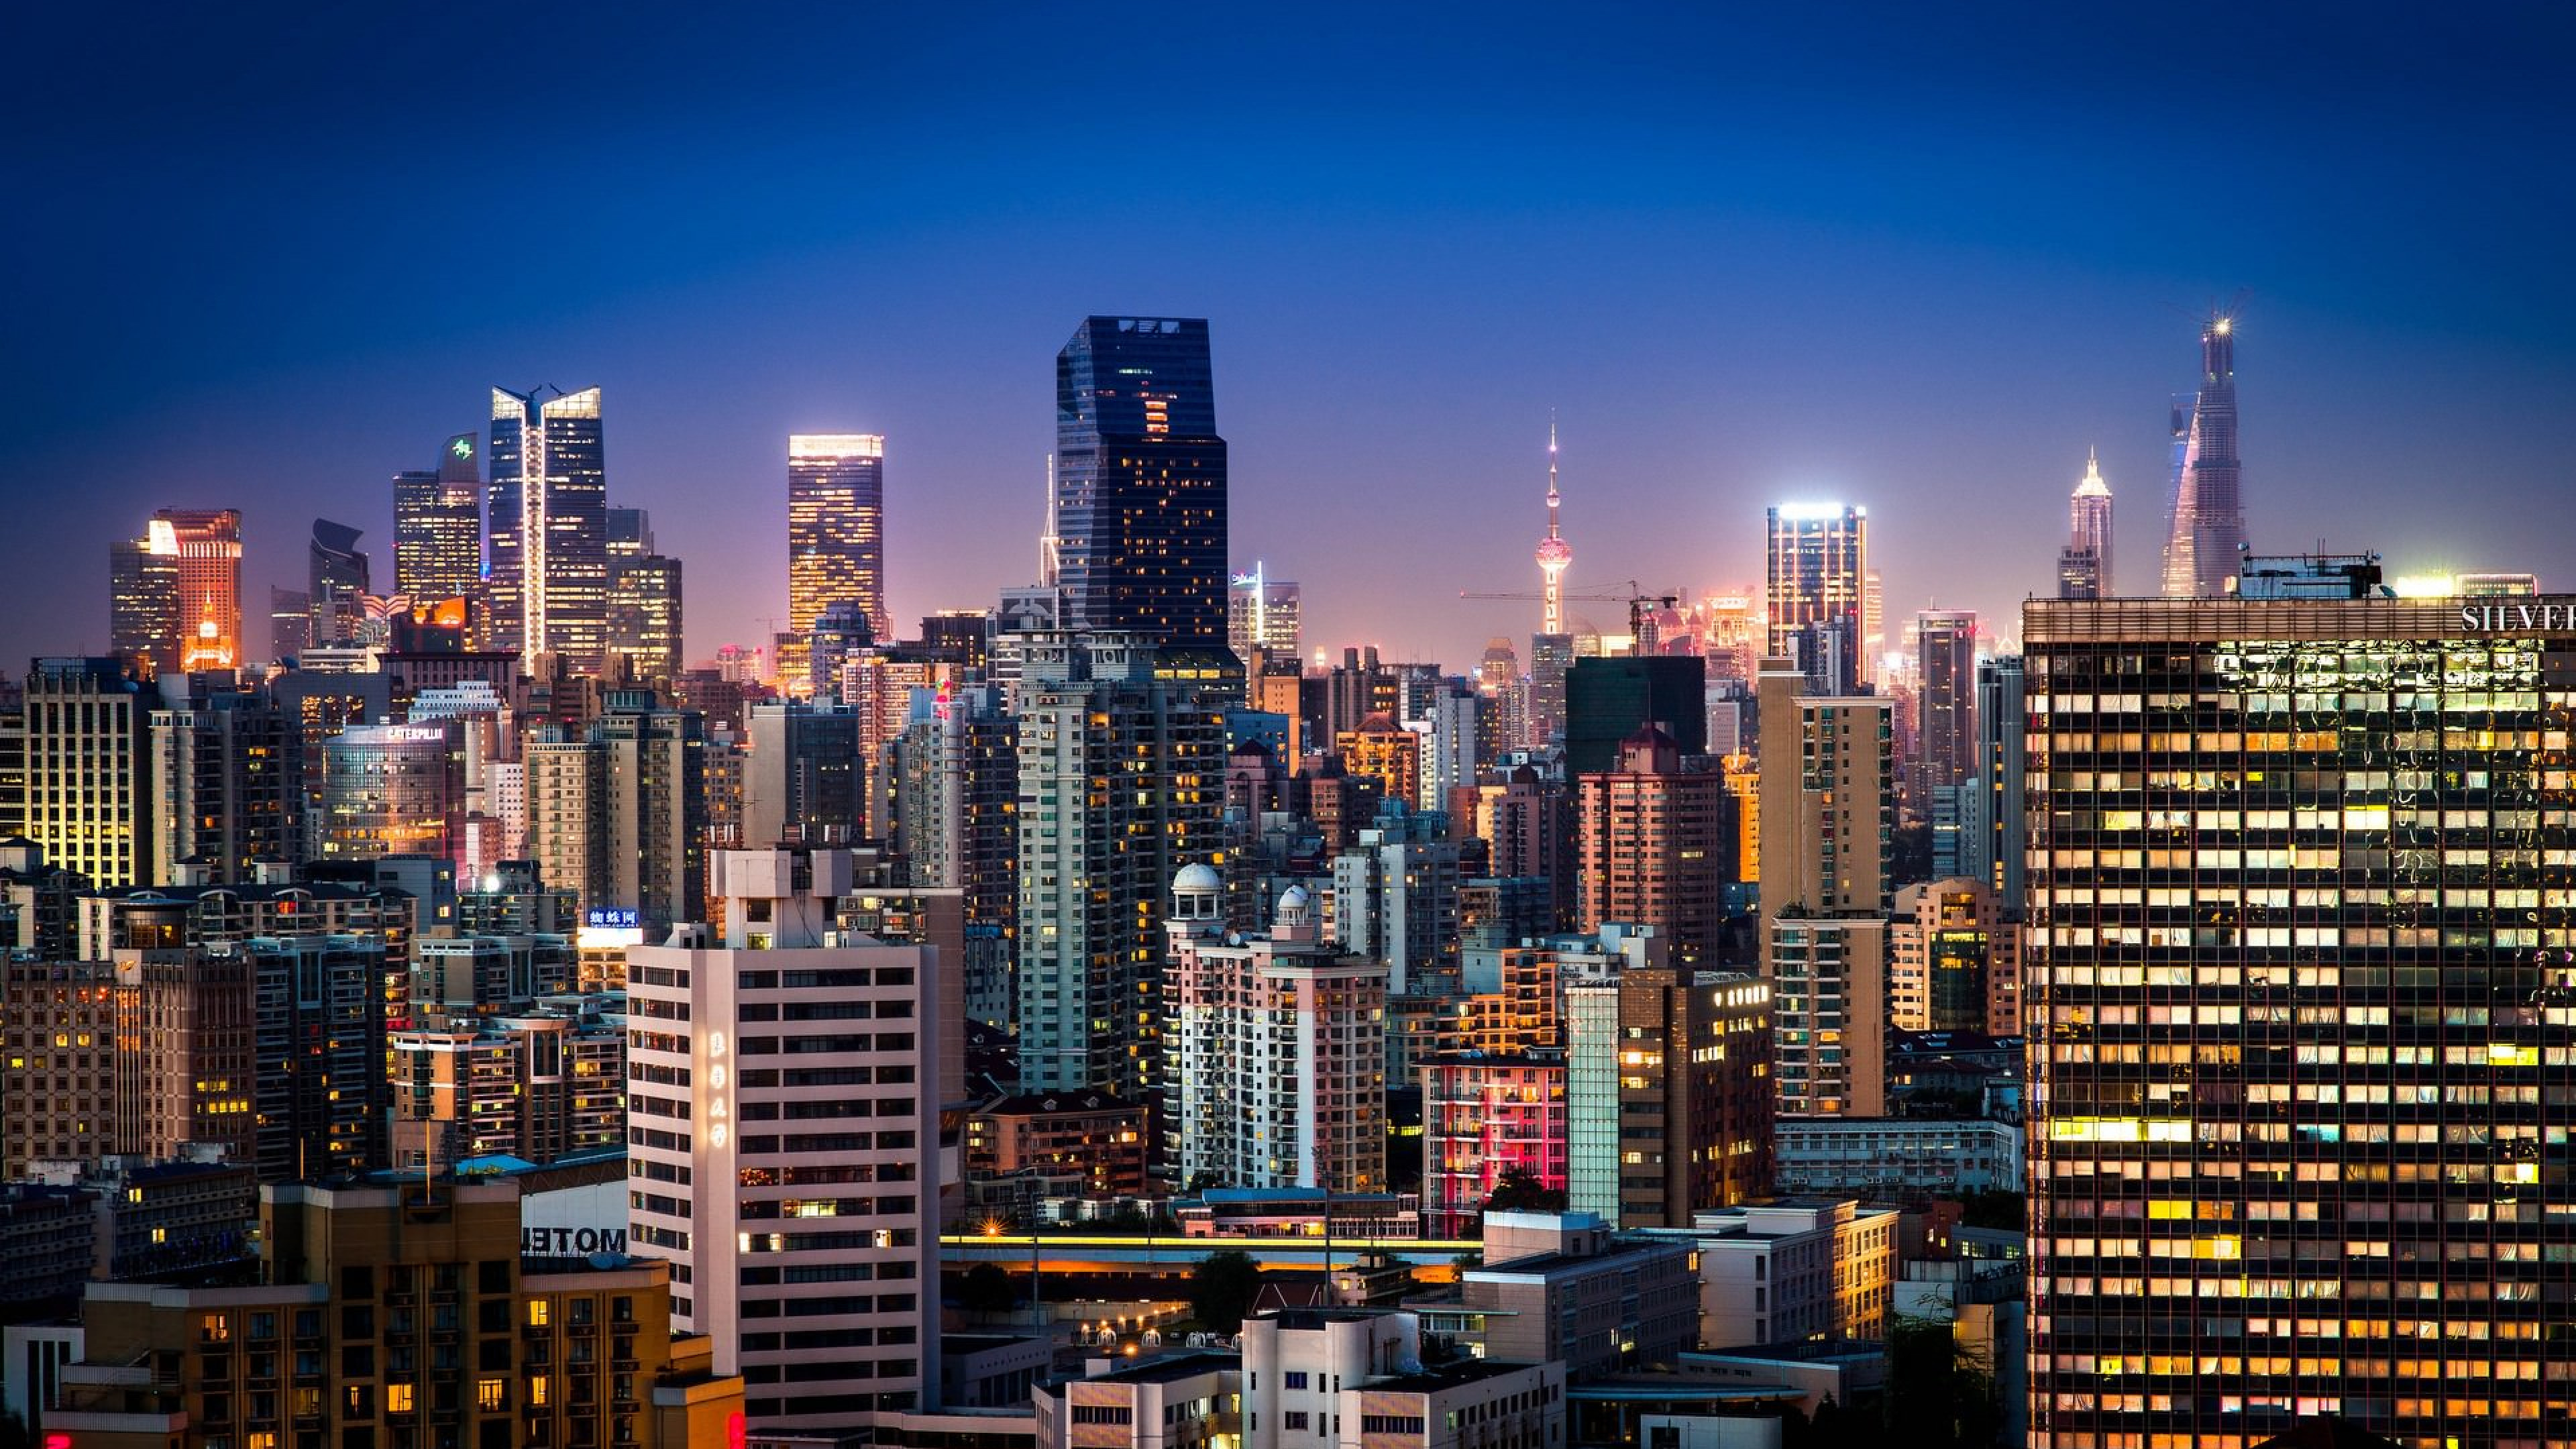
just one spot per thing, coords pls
(1805, 342)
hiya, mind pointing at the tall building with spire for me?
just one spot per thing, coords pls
(2084, 567)
(1554, 553)
(2208, 509)
(548, 525)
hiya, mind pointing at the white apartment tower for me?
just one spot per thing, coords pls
(784, 1127)
(1276, 1057)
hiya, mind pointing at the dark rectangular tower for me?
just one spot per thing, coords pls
(1140, 480)
(549, 525)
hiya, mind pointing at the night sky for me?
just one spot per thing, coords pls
(1907, 259)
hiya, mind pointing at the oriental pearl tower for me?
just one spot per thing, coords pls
(1554, 553)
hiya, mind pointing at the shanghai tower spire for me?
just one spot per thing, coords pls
(2208, 510)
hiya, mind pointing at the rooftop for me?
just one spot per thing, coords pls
(1447, 1375)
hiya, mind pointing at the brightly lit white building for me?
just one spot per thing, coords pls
(782, 1129)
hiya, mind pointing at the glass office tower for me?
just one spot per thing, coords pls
(548, 525)
(1817, 583)
(1140, 480)
(2301, 985)
(836, 530)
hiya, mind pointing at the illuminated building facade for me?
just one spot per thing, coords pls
(1816, 590)
(780, 1111)
(88, 783)
(1669, 1093)
(221, 795)
(1954, 960)
(204, 548)
(1828, 803)
(1121, 781)
(1655, 847)
(644, 619)
(390, 790)
(1262, 613)
(2084, 568)
(835, 533)
(1483, 1116)
(2299, 1003)
(1140, 481)
(2208, 530)
(1384, 751)
(143, 606)
(438, 525)
(548, 525)
(1277, 1049)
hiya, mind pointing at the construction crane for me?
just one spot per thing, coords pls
(1636, 599)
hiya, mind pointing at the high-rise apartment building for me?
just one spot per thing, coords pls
(1527, 823)
(956, 794)
(1485, 1116)
(804, 780)
(88, 781)
(548, 525)
(781, 1110)
(1655, 847)
(2208, 532)
(1817, 591)
(1140, 481)
(1828, 803)
(2084, 568)
(221, 793)
(317, 1080)
(1551, 655)
(1397, 894)
(2298, 1000)
(1954, 960)
(1121, 779)
(619, 813)
(143, 604)
(835, 531)
(1277, 1052)
(438, 525)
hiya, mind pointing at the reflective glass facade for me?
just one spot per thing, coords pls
(1141, 480)
(438, 525)
(2300, 995)
(836, 529)
(548, 510)
(1816, 576)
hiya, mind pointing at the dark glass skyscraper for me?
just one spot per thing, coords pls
(549, 525)
(1140, 480)
(337, 583)
(2208, 508)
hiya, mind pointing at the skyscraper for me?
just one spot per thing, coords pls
(1261, 613)
(1946, 702)
(835, 531)
(2300, 1069)
(2084, 568)
(548, 510)
(1141, 480)
(1816, 591)
(644, 616)
(204, 548)
(1655, 847)
(337, 583)
(143, 603)
(1828, 807)
(87, 785)
(2208, 509)
(1122, 777)
(784, 1105)
(1278, 1051)
(438, 525)
(2002, 753)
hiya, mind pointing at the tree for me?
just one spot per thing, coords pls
(1222, 1289)
(1941, 1390)
(986, 1290)
(1519, 1191)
